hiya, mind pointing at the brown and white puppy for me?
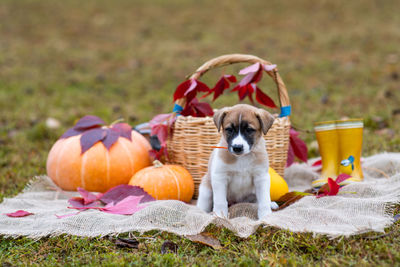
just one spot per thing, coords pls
(239, 173)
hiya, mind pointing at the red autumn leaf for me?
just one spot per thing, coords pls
(123, 130)
(299, 146)
(111, 138)
(329, 189)
(71, 132)
(221, 86)
(342, 177)
(290, 157)
(19, 213)
(88, 122)
(168, 118)
(120, 192)
(197, 109)
(189, 89)
(87, 196)
(263, 99)
(158, 154)
(161, 131)
(91, 137)
(127, 206)
(317, 163)
(79, 203)
(253, 74)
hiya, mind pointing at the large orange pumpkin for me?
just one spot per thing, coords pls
(165, 182)
(104, 164)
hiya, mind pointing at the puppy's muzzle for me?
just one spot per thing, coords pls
(237, 149)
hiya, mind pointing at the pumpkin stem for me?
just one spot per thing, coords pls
(117, 121)
(157, 164)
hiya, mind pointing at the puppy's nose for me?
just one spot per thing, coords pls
(237, 148)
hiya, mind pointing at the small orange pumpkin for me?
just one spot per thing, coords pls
(165, 181)
(97, 157)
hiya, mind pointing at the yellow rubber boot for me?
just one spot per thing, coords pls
(328, 143)
(350, 134)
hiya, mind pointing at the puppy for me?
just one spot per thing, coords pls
(239, 173)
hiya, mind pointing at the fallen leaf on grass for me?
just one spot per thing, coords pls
(19, 213)
(205, 239)
(169, 247)
(127, 243)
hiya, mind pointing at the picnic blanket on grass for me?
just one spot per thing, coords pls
(368, 208)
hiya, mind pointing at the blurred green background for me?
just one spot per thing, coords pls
(123, 59)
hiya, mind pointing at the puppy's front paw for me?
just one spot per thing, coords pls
(264, 211)
(221, 210)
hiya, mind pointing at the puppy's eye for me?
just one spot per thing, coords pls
(229, 130)
(250, 130)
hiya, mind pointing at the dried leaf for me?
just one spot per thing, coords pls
(127, 243)
(120, 192)
(221, 86)
(19, 213)
(88, 122)
(169, 247)
(197, 109)
(110, 139)
(205, 239)
(189, 89)
(290, 156)
(290, 198)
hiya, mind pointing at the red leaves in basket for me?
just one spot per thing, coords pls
(197, 109)
(248, 85)
(189, 89)
(297, 148)
(221, 86)
(93, 130)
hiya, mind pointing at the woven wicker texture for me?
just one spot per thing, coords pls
(190, 144)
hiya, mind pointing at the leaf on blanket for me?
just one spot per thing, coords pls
(78, 202)
(127, 206)
(205, 239)
(329, 189)
(342, 177)
(290, 198)
(87, 196)
(120, 192)
(127, 243)
(19, 213)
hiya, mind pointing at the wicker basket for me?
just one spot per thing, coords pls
(191, 143)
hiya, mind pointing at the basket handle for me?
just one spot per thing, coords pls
(240, 58)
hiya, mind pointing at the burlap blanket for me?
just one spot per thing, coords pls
(368, 208)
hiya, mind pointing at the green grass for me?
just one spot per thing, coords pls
(66, 59)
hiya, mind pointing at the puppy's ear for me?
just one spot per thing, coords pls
(219, 117)
(266, 119)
